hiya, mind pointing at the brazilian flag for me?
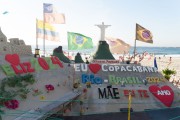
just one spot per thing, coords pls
(143, 34)
(78, 41)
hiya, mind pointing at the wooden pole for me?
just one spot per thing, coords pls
(129, 106)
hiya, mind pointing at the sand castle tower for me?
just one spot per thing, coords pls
(3, 38)
(14, 46)
(59, 53)
(103, 51)
(4, 48)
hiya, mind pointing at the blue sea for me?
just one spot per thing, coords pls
(157, 51)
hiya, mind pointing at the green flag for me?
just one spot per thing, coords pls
(78, 41)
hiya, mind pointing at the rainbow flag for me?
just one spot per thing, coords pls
(78, 41)
(47, 31)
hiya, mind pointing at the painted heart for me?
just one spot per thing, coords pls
(12, 59)
(94, 68)
(165, 94)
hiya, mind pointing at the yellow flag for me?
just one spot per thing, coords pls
(143, 34)
(46, 31)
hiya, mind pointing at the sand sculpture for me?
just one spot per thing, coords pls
(14, 46)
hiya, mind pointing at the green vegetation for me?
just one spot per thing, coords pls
(168, 73)
(11, 87)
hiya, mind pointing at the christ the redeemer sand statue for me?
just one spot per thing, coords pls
(103, 27)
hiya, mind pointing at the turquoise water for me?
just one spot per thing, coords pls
(154, 50)
(158, 50)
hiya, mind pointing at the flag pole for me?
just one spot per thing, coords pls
(134, 48)
(135, 41)
(36, 36)
(44, 32)
(36, 49)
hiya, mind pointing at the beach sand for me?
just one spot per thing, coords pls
(163, 63)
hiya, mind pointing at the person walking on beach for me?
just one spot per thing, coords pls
(170, 60)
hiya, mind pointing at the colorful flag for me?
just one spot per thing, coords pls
(78, 41)
(47, 31)
(142, 34)
(52, 17)
(117, 45)
(155, 63)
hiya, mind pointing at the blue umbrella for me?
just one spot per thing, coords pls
(155, 63)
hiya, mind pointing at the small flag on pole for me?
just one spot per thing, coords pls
(78, 41)
(142, 34)
(49, 31)
(155, 63)
(52, 17)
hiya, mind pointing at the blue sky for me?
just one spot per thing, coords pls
(161, 17)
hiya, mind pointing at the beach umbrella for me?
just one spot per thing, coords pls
(155, 63)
